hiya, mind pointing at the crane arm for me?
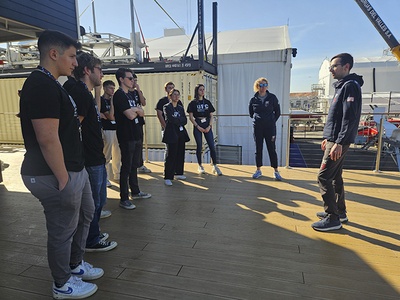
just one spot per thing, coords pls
(380, 26)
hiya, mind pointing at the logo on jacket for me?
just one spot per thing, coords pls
(350, 99)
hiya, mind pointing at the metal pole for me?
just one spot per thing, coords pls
(215, 35)
(200, 32)
(288, 145)
(94, 18)
(379, 152)
(133, 34)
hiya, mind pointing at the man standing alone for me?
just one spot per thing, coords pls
(339, 132)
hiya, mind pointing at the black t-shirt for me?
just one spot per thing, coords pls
(127, 130)
(135, 96)
(201, 110)
(91, 125)
(105, 106)
(162, 102)
(42, 97)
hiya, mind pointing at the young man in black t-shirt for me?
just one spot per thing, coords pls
(88, 75)
(53, 166)
(130, 138)
(140, 100)
(111, 149)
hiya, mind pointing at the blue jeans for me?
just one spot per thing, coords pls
(198, 136)
(98, 183)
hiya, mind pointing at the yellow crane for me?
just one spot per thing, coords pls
(378, 23)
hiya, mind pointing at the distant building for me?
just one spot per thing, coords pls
(381, 82)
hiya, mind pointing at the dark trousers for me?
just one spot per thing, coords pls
(175, 159)
(198, 136)
(330, 181)
(131, 152)
(267, 134)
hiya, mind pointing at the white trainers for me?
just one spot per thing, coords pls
(277, 176)
(143, 169)
(86, 271)
(180, 177)
(167, 182)
(74, 288)
(200, 169)
(105, 214)
(216, 170)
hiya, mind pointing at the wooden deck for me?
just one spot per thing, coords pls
(227, 237)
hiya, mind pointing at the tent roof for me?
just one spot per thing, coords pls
(229, 42)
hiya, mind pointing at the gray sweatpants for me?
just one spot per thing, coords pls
(68, 215)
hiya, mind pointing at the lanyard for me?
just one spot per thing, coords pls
(47, 72)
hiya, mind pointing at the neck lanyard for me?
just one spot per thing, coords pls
(47, 72)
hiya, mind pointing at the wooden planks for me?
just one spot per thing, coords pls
(226, 237)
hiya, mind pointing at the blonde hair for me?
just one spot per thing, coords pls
(257, 83)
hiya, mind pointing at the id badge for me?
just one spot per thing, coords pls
(180, 128)
(203, 120)
(136, 121)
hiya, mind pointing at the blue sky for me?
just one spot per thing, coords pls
(319, 29)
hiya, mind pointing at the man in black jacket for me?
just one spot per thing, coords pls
(339, 132)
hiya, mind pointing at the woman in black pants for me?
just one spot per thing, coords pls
(201, 115)
(175, 137)
(265, 110)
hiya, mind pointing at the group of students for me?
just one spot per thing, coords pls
(64, 164)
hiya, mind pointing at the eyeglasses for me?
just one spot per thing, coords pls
(334, 66)
(98, 68)
(130, 78)
(263, 85)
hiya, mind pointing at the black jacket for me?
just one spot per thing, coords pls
(264, 113)
(175, 119)
(345, 110)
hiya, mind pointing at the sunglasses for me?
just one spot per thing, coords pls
(130, 78)
(263, 84)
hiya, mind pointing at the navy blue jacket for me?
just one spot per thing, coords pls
(345, 110)
(264, 113)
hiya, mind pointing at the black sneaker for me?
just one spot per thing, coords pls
(327, 224)
(102, 246)
(342, 216)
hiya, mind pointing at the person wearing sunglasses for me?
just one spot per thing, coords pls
(130, 138)
(340, 131)
(264, 109)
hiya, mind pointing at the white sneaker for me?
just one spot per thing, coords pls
(200, 169)
(86, 271)
(180, 177)
(143, 169)
(216, 170)
(167, 182)
(74, 288)
(105, 214)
